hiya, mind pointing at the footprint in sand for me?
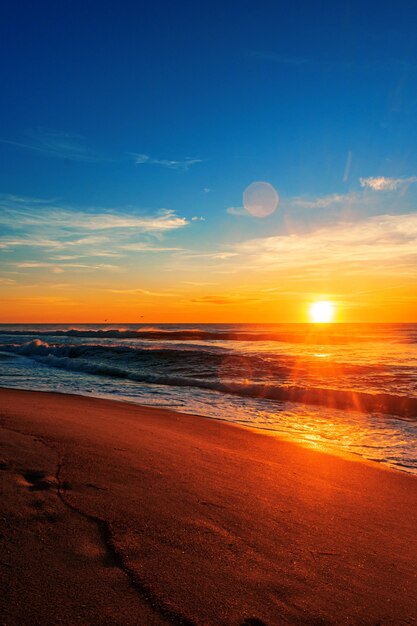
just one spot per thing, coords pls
(36, 480)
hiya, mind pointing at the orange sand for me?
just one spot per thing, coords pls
(119, 514)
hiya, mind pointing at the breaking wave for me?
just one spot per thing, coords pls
(303, 333)
(214, 372)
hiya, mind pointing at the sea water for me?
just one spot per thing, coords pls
(340, 387)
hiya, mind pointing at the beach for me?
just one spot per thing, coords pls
(113, 513)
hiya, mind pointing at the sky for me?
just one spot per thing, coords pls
(132, 133)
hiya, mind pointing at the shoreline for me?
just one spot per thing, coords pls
(320, 447)
(133, 514)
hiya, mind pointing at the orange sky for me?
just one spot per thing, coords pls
(77, 267)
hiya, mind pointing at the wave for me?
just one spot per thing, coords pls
(262, 365)
(74, 358)
(307, 334)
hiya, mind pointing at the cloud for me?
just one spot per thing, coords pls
(209, 255)
(31, 264)
(304, 202)
(7, 281)
(183, 164)
(223, 300)
(57, 268)
(14, 242)
(69, 220)
(142, 292)
(323, 202)
(237, 210)
(58, 144)
(91, 254)
(384, 242)
(25, 199)
(37, 223)
(165, 220)
(145, 247)
(382, 183)
(198, 218)
(59, 238)
(195, 283)
(354, 202)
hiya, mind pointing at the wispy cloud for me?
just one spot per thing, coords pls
(146, 247)
(8, 197)
(91, 254)
(61, 238)
(385, 242)
(63, 266)
(58, 144)
(173, 164)
(333, 200)
(164, 220)
(143, 292)
(323, 202)
(222, 299)
(237, 210)
(14, 242)
(383, 183)
(216, 255)
(20, 216)
(196, 283)
(354, 202)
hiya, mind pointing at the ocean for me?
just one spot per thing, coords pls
(339, 387)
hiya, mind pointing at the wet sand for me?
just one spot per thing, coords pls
(113, 513)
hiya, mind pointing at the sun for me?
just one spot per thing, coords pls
(321, 312)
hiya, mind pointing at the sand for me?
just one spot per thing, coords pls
(113, 513)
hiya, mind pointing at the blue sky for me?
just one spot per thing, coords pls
(174, 108)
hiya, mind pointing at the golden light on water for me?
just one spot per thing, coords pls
(321, 312)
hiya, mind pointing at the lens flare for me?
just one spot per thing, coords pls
(260, 199)
(321, 312)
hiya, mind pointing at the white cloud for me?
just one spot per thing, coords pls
(145, 247)
(323, 202)
(68, 220)
(183, 164)
(209, 255)
(14, 242)
(382, 183)
(383, 241)
(64, 239)
(33, 225)
(92, 253)
(198, 218)
(62, 266)
(58, 144)
(237, 210)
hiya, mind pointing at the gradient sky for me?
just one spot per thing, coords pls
(130, 130)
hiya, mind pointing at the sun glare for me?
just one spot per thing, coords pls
(321, 312)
